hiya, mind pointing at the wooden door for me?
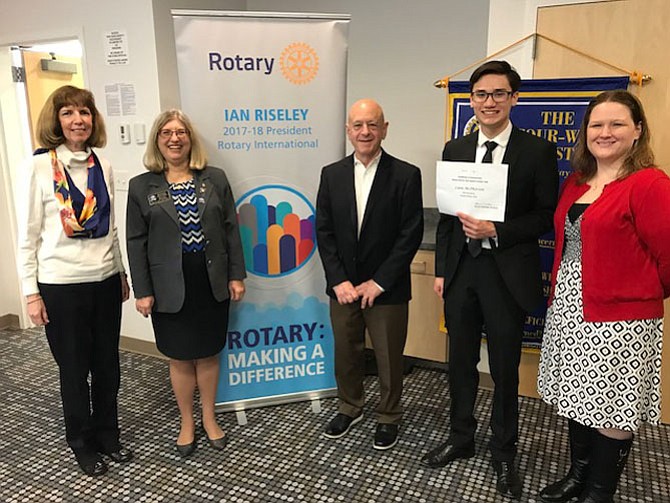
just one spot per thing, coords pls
(40, 83)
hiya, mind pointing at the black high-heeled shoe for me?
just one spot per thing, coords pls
(185, 450)
(217, 443)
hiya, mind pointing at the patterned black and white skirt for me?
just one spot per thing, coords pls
(600, 374)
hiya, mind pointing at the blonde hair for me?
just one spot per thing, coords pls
(154, 160)
(49, 132)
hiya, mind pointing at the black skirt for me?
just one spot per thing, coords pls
(199, 329)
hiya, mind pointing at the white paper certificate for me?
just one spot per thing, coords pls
(476, 189)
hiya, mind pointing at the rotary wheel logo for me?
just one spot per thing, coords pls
(299, 63)
(471, 126)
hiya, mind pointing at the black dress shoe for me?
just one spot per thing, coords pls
(386, 436)
(115, 451)
(508, 482)
(90, 462)
(341, 424)
(445, 453)
(120, 454)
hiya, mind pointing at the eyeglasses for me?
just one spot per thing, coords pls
(498, 96)
(167, 133)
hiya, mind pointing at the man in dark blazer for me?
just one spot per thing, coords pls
(489, 272)
(369, 224)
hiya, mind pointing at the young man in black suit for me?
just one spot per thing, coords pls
(489, 272)
(369, 225)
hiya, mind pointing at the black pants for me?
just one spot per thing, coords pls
(83, 334)
(478, 296)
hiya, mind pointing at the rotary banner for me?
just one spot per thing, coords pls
(552, 109)
(267, 92)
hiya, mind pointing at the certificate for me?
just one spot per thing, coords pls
(476, 189)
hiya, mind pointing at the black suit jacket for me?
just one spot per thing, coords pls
(532, 191)
(153, 237)
(391, 231)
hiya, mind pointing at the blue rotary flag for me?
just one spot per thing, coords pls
(552, 109)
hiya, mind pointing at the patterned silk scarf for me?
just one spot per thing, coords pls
(82, 216)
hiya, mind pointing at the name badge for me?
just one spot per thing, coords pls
(158, 197)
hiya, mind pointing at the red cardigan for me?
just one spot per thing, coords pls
(625, 246)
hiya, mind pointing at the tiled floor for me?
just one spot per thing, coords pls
(280, 455)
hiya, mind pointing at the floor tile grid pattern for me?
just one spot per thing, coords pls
(280, 454)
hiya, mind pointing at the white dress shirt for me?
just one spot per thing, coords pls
(502, 139)
(363, 178)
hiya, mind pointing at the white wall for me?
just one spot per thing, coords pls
(397, 49)
(44, 21)
(10, 299)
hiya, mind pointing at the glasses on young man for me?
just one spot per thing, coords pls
(498, 96)
(167, 133)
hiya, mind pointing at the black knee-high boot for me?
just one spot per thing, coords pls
(572, 485)
(607, 462)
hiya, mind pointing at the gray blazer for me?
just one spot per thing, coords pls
(154, 237)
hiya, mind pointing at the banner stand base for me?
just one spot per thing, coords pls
(241, 416)
(316, 405)
(270, 401)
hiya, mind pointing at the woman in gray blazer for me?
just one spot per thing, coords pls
(186, 264)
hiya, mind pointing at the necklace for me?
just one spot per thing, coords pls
(600, 179)
(177, 176)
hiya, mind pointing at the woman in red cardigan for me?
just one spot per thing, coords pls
(601, 353)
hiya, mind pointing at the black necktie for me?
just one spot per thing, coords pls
(475, 245)
(490, 147)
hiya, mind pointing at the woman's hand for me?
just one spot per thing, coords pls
(144, 305)
(125, 288)
(236, 289)
(37, 310)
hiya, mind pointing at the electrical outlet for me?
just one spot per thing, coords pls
(121, 179)
(139, 132)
